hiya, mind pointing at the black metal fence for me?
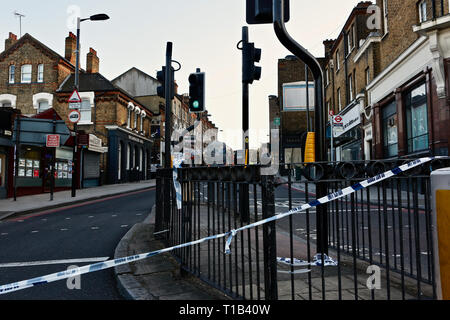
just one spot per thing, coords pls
(380, 238)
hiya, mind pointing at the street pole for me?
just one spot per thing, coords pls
(245, 214)
(316, 69)
(168, 90)
(332, 139)
(308, 126)
(75, 126)
(52, 168)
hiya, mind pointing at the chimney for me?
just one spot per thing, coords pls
(328, 46)
(71, 47)
(10, 41)
(92, 61)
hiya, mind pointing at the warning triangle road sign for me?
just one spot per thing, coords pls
(75, 97)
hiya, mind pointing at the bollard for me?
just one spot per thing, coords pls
(440, 192)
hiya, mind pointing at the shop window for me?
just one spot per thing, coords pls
(417, 119)
(2, 170)
(12, 73)
(390, 132)
(128, 156)
(25, 73)
(29, 163)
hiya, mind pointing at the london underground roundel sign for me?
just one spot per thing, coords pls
(74, 116)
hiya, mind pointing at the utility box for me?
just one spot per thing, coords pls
(440, 193)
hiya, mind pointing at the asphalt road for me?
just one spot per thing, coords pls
(48, 242)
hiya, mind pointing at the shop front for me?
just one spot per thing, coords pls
(6, 151)
(93, 162)
(347, 137)
(34, 160)
(129, 156)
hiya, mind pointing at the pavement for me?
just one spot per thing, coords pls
(159, 277)
(41, 202)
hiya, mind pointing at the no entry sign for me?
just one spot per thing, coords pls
(74, 116)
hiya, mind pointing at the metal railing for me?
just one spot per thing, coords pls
(386, 226)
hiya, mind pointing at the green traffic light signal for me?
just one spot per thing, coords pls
(196, 104)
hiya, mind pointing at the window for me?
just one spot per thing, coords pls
(26, 73)
(43, 105)
(327, 77)
(417, 118)
(390, 133)
(338, 61)
(339, 99)
(367, 76)
(351, 39)
(40, 75)
(86, 111)
(12, 73)
(385, 9)
(423, 11)
(5, 104)
(350, 88)
(129, 118)
(135, 120)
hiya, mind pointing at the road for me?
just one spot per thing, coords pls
(48, 242)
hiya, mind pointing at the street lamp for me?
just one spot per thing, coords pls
(97, 17)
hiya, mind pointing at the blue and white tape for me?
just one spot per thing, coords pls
(121, 261)
(177, 162)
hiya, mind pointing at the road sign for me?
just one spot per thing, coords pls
(74, 116)
(331, 113)
(338, 119)
(53, 141)
(75, 100)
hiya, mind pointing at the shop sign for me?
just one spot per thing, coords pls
(95, 144)
(53, 141)
(349, 120)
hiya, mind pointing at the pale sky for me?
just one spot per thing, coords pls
(204, 34)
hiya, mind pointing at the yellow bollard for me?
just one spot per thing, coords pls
(310, 148)
(440, 185)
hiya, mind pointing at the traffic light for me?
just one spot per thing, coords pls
(197, 92)
(261, 11)
(161, 77)
(250, 72)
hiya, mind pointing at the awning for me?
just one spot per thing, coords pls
(6, 142)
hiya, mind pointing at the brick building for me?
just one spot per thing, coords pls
(388, 81)
(35, 80)
(409, 97)
(288, 110)
(143, 87)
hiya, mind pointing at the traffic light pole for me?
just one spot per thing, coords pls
(245, 214)
(314, 66)
(168, 121)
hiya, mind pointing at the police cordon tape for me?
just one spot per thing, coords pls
(8, 288)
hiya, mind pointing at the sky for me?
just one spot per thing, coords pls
(204, 35)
